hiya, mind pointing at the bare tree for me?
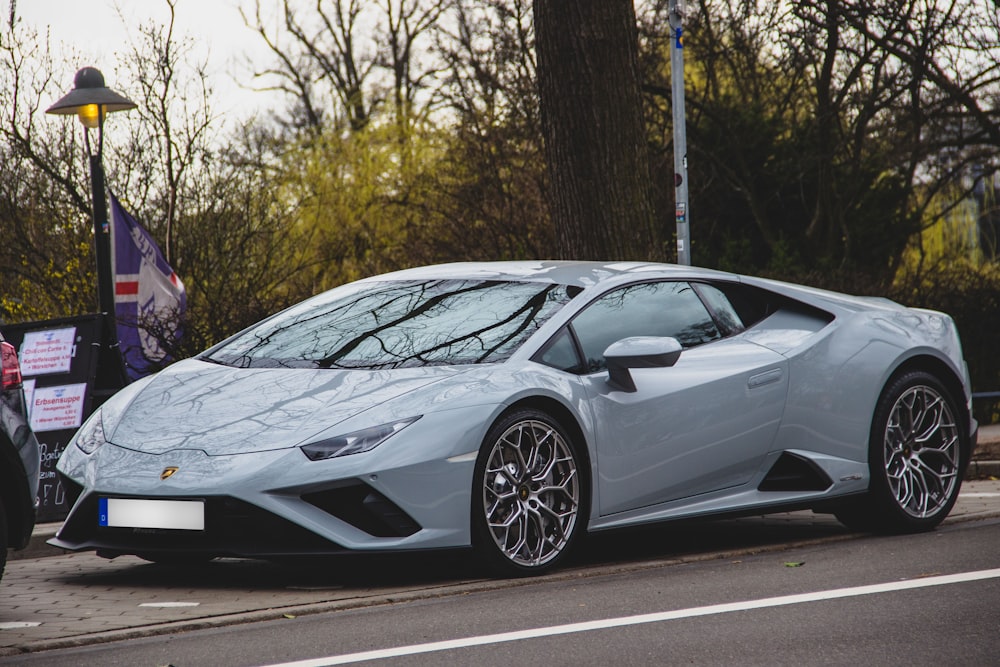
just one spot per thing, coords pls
(495, 178)
(834, 127)
(234, 243)
(407, 24)
(172, 129)
(46, 256)
(920, 71)
(341, 60)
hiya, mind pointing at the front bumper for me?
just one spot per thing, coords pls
(412, 492)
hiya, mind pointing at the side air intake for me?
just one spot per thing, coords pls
(366, 509)
(792, 472)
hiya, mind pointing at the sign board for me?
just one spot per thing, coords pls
(57, 408)
(68, 372)
(47, 351)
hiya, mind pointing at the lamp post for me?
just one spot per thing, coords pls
(91, 101)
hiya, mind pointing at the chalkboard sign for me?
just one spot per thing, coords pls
(69, 370)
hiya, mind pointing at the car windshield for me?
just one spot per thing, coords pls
(378, 325)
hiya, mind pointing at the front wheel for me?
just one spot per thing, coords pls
(528, 495)
(918, 451)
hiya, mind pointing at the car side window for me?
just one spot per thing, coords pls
(649, 309)
(723, 310)
(560, 353)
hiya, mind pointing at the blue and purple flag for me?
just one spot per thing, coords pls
(149, 297)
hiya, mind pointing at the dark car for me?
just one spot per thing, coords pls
(19, 459)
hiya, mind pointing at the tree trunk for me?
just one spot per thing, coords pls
(601, 194)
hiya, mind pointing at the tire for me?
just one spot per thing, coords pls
(528, 497)
(3, 538)
(918, 451)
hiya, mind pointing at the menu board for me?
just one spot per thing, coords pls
(57, 408)
(68, 371)
(47, 351)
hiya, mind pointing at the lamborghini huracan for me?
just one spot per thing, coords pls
(511, 407)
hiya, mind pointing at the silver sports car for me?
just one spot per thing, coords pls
(511, 407)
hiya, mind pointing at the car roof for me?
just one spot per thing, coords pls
(581, 274)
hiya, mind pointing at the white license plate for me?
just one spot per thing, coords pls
(139, 513)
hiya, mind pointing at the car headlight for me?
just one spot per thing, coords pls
(354, 443)
(91, 434)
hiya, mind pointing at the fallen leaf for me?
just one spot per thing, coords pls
(794, 564)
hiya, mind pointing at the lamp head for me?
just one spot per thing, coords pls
(90, 99)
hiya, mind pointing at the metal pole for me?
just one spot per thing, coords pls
(111, 375)
(682, 213)
(102, 239)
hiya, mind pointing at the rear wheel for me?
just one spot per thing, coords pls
(918, 451)
(528, 495)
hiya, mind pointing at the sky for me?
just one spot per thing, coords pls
(97, 29)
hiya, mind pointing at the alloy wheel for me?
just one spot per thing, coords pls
(921, 451)
(531, 493)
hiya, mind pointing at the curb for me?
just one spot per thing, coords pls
(983, 470)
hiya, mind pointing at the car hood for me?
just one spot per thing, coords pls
(223, 410)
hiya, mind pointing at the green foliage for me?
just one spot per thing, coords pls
(47, 267)
(389, 196)
(360, 198)
(950, 234)
(73, 282)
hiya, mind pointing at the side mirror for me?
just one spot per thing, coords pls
(639, 352)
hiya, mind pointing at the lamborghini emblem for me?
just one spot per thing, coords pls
(168, 472)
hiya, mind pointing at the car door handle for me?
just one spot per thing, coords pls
(765, 378)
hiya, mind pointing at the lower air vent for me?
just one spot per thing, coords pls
(795, 473)
(232, 528)
(364, 508)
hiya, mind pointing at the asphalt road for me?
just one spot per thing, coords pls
(923, 599)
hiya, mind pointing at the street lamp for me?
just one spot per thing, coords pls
(91, 101)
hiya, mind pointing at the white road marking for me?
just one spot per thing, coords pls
(169, 605)
(17, 625)
(587, 626)
(979, 495)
